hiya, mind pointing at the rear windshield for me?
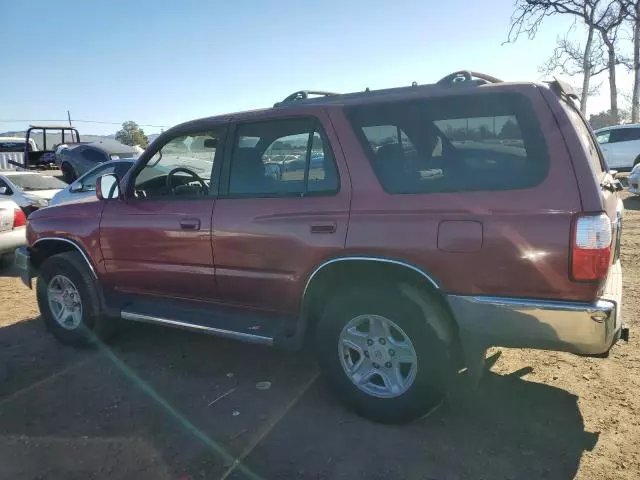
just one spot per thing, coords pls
(464, 143)
(30, 182)
(12, 147)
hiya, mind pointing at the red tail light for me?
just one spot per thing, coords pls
(19, 218)
(591, 247)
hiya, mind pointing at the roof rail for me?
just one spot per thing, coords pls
(465, 76)
(303, 95)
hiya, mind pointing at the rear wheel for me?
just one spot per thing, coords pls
(68, 173)
(69, 301)
(381, 354)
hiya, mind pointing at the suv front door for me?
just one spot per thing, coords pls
(156, 239)
(283, 209)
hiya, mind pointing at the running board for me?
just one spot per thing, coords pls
(219, 332)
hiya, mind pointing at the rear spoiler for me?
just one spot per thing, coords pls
(563, 89)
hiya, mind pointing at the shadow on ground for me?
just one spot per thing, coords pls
(166, 404)
(632, 203)
(7, 268)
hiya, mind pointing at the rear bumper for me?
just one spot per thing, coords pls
(12, 239)
(577, 327)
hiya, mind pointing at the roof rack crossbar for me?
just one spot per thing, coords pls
(303, 95)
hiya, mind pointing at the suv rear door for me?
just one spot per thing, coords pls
(282, 210)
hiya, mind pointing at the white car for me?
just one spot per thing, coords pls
(620, 145)
(30, 190)
(12, 229)
(85, 186)
(634, 180)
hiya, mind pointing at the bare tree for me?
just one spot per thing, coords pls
(571, 58)
(631, 10)
(602, 17)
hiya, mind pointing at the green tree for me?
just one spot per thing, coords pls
(607, 119)
(131, 134)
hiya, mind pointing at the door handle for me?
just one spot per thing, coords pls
(190, 224)
(327, 227)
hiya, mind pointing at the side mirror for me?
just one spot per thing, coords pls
(4, 191)
(107, 187)
(76, 187)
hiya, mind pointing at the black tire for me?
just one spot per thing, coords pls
(434, 356)
(93, 327)
(68, 173)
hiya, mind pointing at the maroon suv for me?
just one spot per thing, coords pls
(400, 232)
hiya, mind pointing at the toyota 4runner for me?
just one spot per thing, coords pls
(399, 233)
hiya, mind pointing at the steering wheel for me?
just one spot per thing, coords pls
(191, 173)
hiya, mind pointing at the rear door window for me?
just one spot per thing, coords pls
(458, 143)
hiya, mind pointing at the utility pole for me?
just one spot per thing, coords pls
(69, 118)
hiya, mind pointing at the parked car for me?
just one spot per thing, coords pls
(77, 160)
(620, 145)
(12, 150)
(12, 229)
(30, 190)
(633, 180)
(299, 163)
(396, 277)
(85, 186)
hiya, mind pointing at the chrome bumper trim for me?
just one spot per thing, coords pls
(588, 328)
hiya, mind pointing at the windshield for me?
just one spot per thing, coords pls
(31, 182)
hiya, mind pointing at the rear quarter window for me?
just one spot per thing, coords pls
(451, 144)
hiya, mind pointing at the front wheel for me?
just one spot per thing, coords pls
(69, 302)
(382, 355)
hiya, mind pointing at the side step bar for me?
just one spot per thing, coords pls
(219, 332)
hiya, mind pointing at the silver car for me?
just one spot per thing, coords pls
(30, 190)
(12, 229)
(85, 186)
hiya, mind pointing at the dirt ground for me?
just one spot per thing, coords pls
(165, 404)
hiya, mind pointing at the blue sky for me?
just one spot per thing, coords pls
(162, 63)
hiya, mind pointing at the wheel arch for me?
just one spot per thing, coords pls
(334, 274)
(45, 247)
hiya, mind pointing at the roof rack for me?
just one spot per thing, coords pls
(461, 78)
(303, 95)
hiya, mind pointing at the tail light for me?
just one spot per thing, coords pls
(19, 218)
(591, 247)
